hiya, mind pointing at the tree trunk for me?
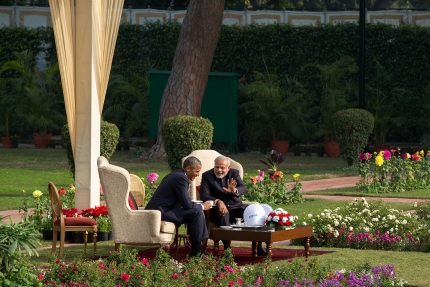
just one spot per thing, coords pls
(197, 42)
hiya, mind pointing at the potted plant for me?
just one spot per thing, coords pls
(296, 149)
(99, 214)
(383, 102)
(274, 110)
(8, 105)
(308, 149)
(14, 139)
(338, 89)
(40, 96)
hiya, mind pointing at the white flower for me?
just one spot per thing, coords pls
(404, 221)
(275, 218)
(309, 215)
(336, 223)
(304, 223)
(351, 228)
(366, 229)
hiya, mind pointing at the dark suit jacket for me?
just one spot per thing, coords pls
(172, 197)
(211, 188)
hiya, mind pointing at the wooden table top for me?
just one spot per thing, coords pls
(260, 235)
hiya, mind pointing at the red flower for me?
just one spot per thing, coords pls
(62, 191)
(72, 212)
(40, 277)
(125, 277)
(416, 157)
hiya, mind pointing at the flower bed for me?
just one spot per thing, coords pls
(362, 225)
(122, 269)
(393, 171)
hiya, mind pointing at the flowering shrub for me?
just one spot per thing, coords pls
(99, 214)
(273, 188)
(369, 226)
(150, 189)
(280, 217)
(123, 269)
(391, 171)
(42, 209)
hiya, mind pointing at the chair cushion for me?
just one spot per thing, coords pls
(132, 202)
(167, 227)
(76, 221)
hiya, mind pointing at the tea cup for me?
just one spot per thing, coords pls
(239, 221)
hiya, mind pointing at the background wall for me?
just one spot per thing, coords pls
(32, 16)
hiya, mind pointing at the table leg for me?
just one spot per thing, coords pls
(269, 250)
(254, 249)
(216, 248)
(307, 244)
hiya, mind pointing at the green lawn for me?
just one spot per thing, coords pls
(31, 169)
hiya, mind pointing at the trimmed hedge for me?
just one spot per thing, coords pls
(109, 138)
(184, 134)
(352, 128)
(284, 48)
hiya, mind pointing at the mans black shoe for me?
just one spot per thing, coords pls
(261, 252)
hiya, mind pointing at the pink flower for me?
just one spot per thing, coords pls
(362, 156)
(262, 173)
(152, 177)
(101, 190)
(386, 154)
(259, 178)
(145, 261)
(125, 277)
(175, 276)
(368, 155)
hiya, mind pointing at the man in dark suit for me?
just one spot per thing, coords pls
(173, 200)
(224, 186)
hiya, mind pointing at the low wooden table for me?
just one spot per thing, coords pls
(268, 237)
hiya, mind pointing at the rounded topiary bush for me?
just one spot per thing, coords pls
(352, 128)
(184, 134)
(109, 137)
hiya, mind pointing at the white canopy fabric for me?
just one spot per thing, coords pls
(85, 36)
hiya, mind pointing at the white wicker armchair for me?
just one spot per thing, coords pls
(134, 227)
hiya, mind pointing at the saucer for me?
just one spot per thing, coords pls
(225, 227)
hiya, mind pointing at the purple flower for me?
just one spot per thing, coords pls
(152, 177)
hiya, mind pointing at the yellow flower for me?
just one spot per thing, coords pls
(379, 160)
(23, 191)
(408, 155)
(72, 189)
(296, 175)
(37, 193)
(421, 153)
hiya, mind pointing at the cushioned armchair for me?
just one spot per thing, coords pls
(134, 227)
